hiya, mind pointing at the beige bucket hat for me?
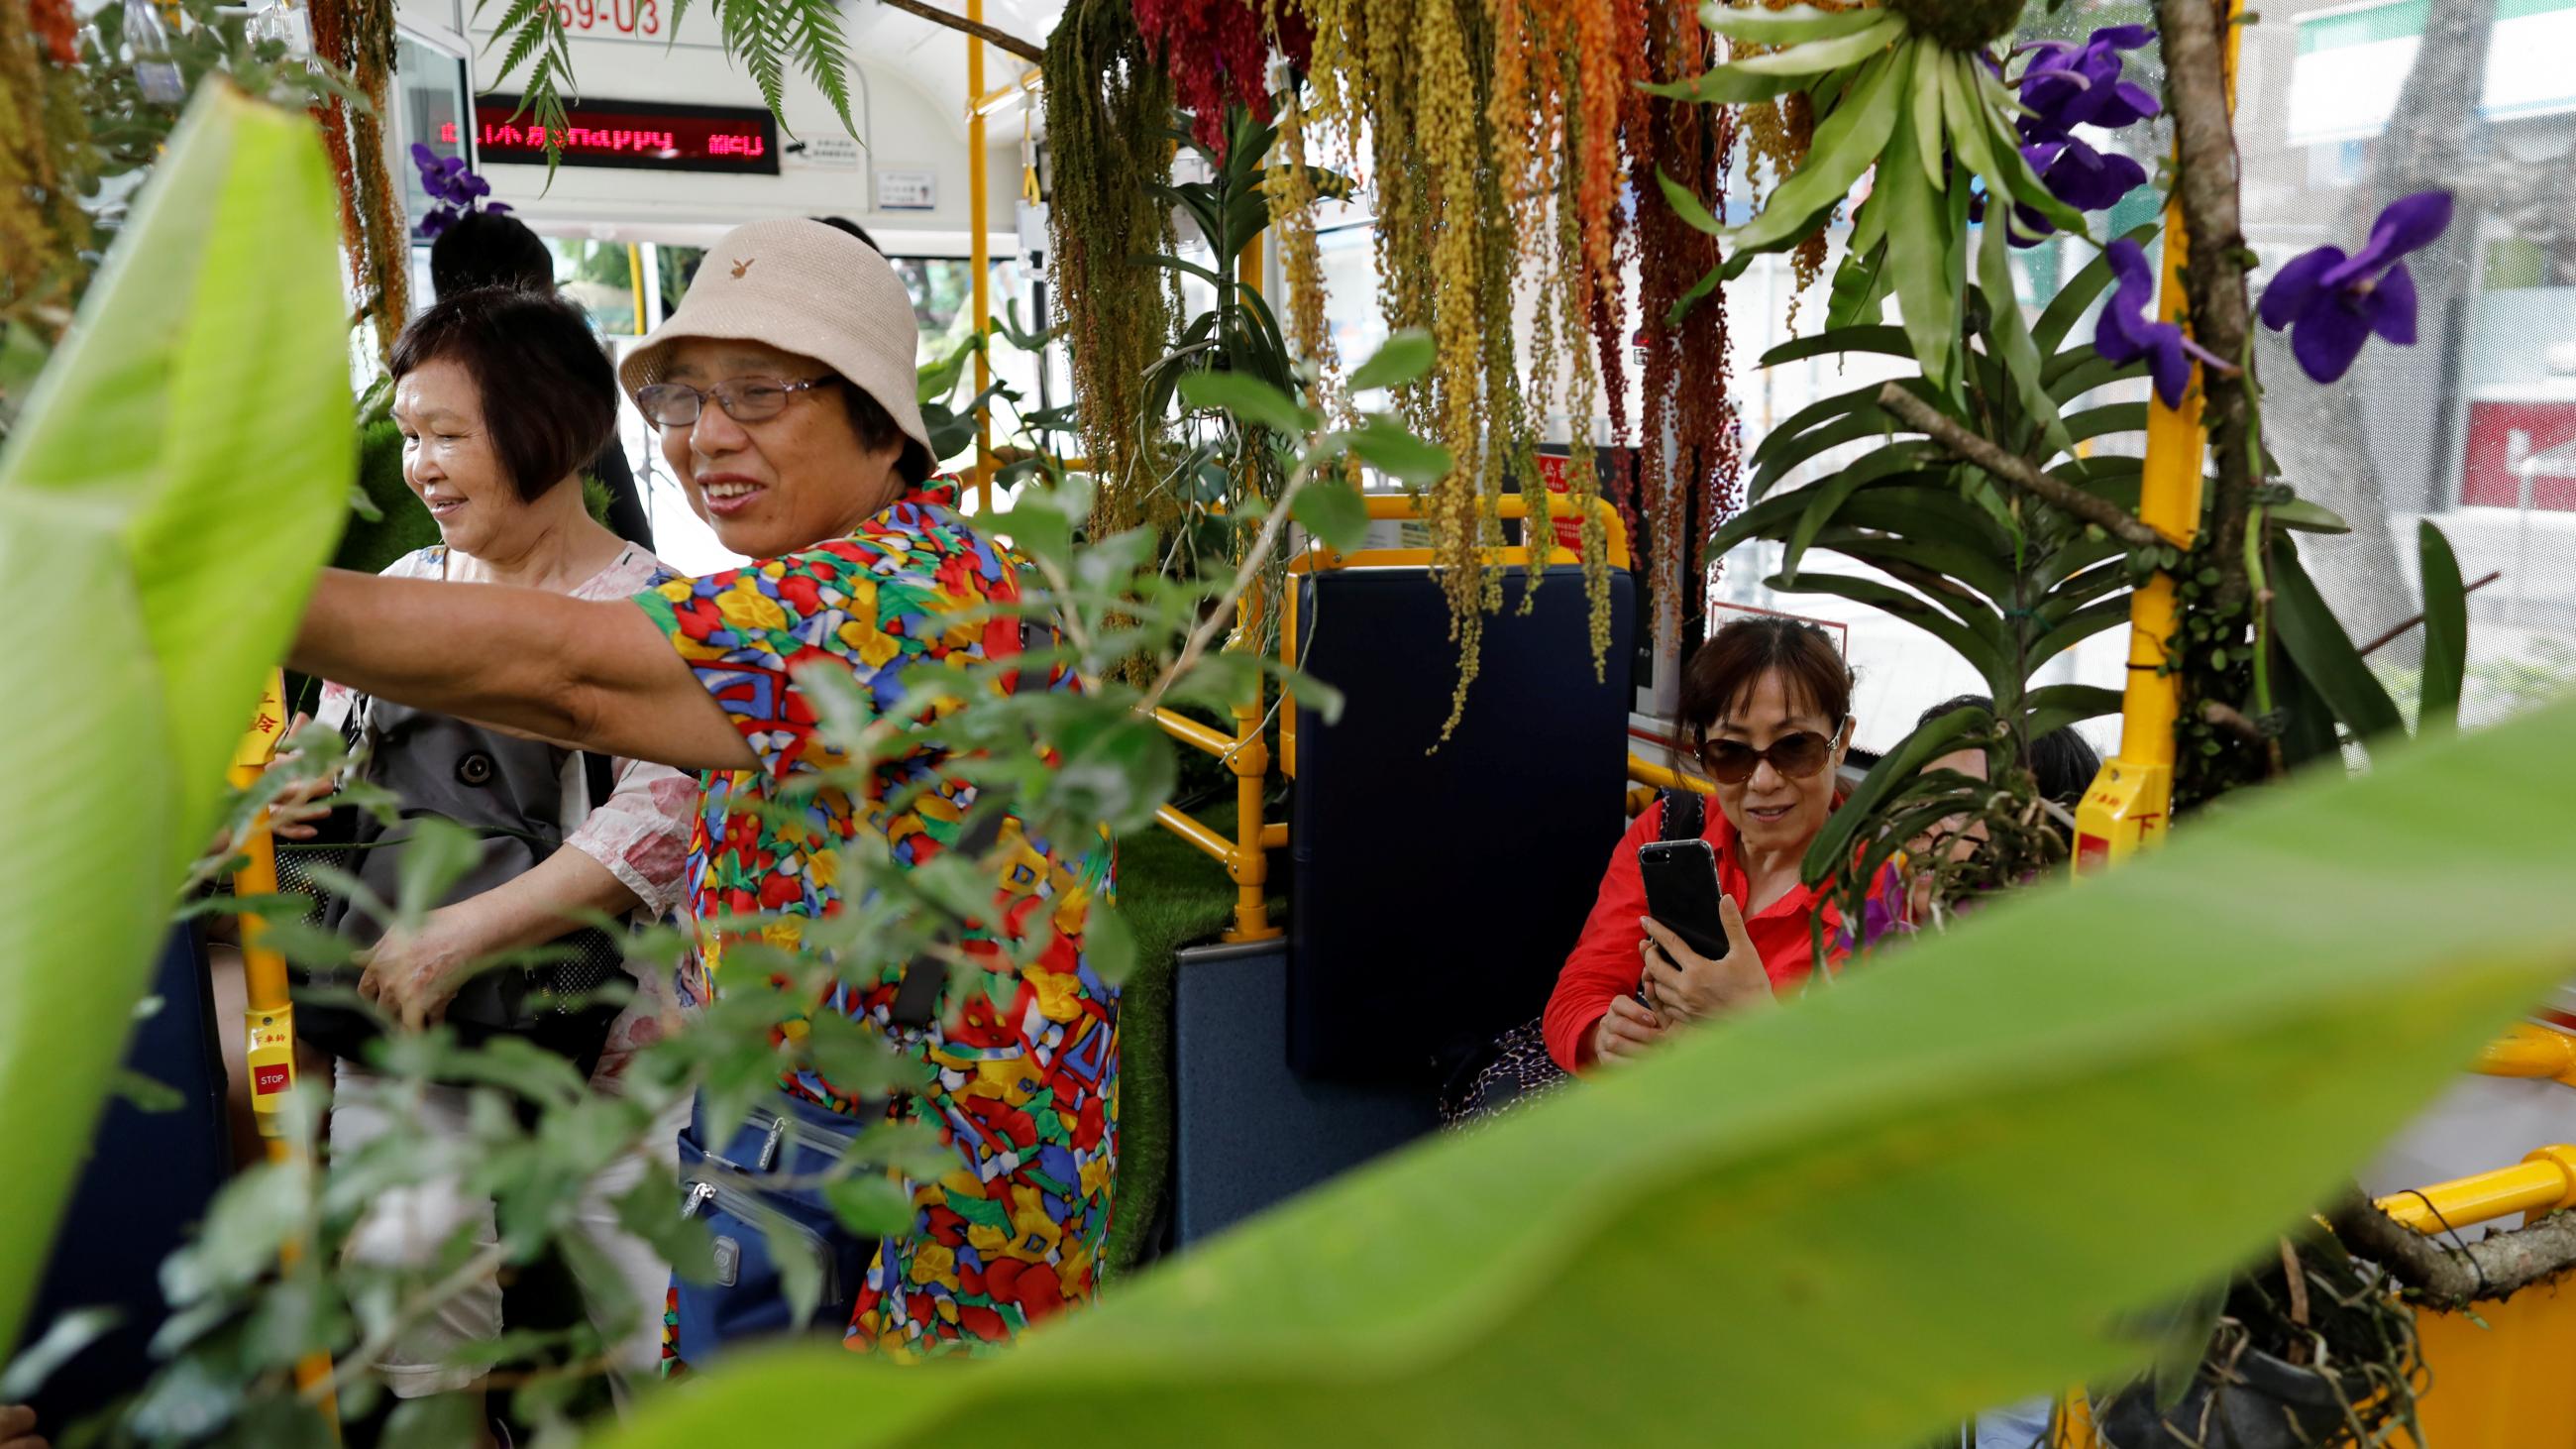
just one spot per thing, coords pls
(806, 288)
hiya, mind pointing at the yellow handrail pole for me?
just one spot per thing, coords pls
(979, 252)
(2131, 800)
(1250, 761)
(635, 283)
(2544, 1181)
(268, 1013)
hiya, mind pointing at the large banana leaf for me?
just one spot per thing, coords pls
(179, 475)
(1932, 1186)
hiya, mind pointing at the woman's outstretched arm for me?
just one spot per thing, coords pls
(592, 674)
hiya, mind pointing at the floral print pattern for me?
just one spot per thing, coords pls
(1027, 1094)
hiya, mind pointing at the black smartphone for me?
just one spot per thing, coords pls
(1682, 892)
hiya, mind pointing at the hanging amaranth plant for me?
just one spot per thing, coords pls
(1108, 109)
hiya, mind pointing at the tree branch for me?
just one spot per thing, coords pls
(999, 39)
(2495, 1267)
(2411, 620)
(2195, 50)
(2110, 517)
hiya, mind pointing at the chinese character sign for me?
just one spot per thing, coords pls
(635, 134)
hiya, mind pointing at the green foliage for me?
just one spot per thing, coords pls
(2003, 579)
(1107, 110)
(399, 524)
(1924, 111)
(213, 335)
(1888, 1174)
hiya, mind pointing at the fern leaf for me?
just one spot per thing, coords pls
(815, 27)
(751, 37)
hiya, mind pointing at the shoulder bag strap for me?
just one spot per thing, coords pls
(1685, 814)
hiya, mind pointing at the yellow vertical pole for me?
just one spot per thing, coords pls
(980, 253)
(635, 282)
(2131, 800)
(268, 1010)
(1251, 758)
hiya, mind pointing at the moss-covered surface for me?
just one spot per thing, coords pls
(1173, 897)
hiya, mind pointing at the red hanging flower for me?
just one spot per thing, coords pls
(1218, 55)
(57, 28)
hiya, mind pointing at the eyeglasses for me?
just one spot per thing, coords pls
(744, 399)
(1798, 756)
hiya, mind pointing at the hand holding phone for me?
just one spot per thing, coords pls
(1683, 894)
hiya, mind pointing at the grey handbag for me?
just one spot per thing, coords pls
(508, 791)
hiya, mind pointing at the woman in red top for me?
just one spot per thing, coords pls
(1766, 708)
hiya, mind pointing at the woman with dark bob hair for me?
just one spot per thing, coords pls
(503, 398)
(1766, 712)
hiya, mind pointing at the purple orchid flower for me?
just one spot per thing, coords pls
(2332, 303)
(2126, 332)
(456, 190)
(2068, 85)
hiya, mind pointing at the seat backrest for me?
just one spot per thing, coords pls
(1436, 892)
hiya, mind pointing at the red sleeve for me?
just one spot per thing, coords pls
(1604, 963)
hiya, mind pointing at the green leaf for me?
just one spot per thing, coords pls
(1827, 498)
(1392, 449)
(872, 1205)
(1333, 511)
(1804, 448)
(442, 1422)
(1108, 943)
(1846, 143)
(2324, 653)
(2305, 516)
(1404, 357)
(2011, 336)
(1688, 207)
(1922, 256)
(63, 1340)
(1885, 341)
(800, 1272)
(1725, 85)
(1828, 53)
(215, 333)
(1924, 98)
(2446, 631)
(2306, 969)
(147, 1093)
(684, 1243)
(440, 853)
(1249, 399)
(1970, 644)
(1790, 25)
(2052, 707)
(1894, 769)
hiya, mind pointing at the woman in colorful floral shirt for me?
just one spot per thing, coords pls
(783, 388)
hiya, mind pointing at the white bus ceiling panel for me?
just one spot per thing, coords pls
(623, 51)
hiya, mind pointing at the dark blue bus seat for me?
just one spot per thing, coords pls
(1435, 892)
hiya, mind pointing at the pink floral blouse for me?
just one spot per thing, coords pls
(640, 833)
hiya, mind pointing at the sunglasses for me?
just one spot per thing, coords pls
(1798, 756)
(744, 399)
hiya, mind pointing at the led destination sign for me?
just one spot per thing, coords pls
(643, 135)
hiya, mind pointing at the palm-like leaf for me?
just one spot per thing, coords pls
(1891, 1161)
(213, 336)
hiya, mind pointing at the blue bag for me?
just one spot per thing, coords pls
(745, 1192)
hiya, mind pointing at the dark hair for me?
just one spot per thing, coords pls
(549, 397)
(2061, 762)
(877, 432)
(1723, 673)
(843, 223)
(868, 418)
(481, 249)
